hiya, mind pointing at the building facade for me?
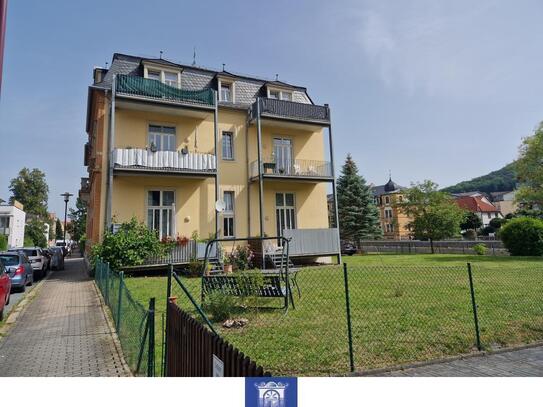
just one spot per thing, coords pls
(504, 202)
(168, 142)
(12, 224)
(393, 221)
(480, 205)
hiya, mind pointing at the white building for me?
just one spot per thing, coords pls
(12, 224)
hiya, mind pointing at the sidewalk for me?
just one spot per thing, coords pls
(522, 362)
(62, 332)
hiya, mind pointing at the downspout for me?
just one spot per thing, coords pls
(111, 143)
(247, 124)
(260, 177)
(216, 141)
(334, 189)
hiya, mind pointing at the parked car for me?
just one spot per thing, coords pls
(57, 258)
(18, 268)
(5, 289)
(48, 256)
(348, 248)
(63, 245)
(37, 258)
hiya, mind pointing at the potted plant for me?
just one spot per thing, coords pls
(227, 261)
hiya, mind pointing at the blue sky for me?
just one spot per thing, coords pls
(425, 89)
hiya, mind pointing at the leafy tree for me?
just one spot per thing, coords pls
(3, 242)
(497, 223)
(358, 215)
(31, 189)
(131, 245)
(472, 221)
(523, 236)
(59, 233)
(529, 167)
(78, 218)
(435, 215)
(35, 232)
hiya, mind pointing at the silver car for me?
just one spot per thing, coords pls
(57, 258)
(37, 258)
(19, 269)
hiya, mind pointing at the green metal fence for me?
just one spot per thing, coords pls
(138, 86)
(134, 323)
(363, 317)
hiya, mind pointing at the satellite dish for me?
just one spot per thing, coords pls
(220, 205)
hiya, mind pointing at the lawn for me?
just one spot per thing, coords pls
(404, 308)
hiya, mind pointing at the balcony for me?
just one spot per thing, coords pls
(312, 242)
(309, 170)
(285, 109)
(148, 89)
(168, 162)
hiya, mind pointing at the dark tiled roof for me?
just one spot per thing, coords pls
(197, 78)
(389, 187)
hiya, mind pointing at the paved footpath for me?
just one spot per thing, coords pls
(62, 332)
(522, 362)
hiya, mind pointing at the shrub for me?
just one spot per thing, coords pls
(487, 230)
(194, 269)
(241, 258)
(131, 245)
(470, 234)
(220, 306)
(3, 242)
(523, 236)
(480, 249)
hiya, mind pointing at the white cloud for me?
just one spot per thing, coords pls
(453, 50)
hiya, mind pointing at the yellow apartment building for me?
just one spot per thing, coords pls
(184, 149)
(393, 221)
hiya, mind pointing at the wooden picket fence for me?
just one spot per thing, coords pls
(192, 350)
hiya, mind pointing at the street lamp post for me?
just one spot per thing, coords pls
(66, 196)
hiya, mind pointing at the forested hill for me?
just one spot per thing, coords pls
(500, 180)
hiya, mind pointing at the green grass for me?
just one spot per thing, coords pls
(404, 308)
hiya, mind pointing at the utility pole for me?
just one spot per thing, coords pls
(66, 196)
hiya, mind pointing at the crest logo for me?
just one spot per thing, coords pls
(271, 392)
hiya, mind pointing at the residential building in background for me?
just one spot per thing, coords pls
(166, 141)
(480, 205)
(12, 223)
(504, 202)
(393, 221)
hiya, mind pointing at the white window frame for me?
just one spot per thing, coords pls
(162, 71)
(231, 85)
(281, 94)
(232, 149)
(160, 208)
(285, 207)
(229, 214)
(163, 135)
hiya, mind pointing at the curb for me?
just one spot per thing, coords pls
(111, 325)
(19, 309)
(484, 353)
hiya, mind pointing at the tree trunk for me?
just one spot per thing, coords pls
(432, 246)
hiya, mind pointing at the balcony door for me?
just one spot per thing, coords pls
(282, 153)
(162, 138)
(161, 212)
(285, 212)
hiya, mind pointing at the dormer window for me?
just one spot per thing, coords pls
(279, 94)
(225, 91)
(167, 77)
(155, 75)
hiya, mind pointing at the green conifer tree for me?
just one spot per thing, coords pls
(357, 212)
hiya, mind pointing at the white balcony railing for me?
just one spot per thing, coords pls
(312, 242)
(163, 161)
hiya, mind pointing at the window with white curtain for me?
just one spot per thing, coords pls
(228, 214)
(227, 145)
(160, 212)
(162, 138)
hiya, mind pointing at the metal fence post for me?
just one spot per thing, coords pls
(119, 302)
(151, 351)
(474, 307)
(348, 309)
(168, 295)
(107, 285)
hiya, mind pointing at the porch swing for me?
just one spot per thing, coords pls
(271, 283)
